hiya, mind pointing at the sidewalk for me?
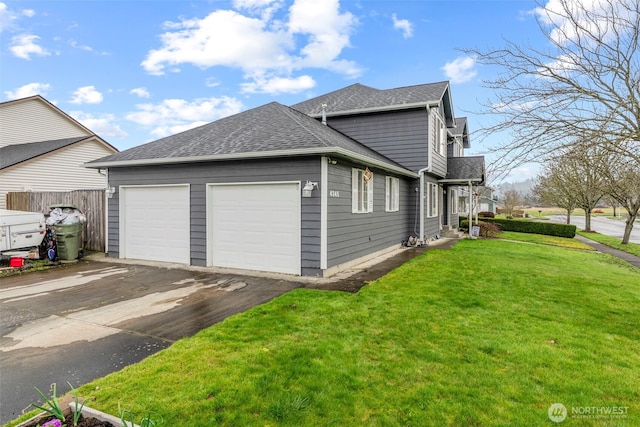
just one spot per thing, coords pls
(630, 258)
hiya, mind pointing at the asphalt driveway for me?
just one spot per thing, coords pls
(85, 320)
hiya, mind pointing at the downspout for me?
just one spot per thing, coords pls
(106, 211)
(470, 217)
(421, 172)
(421, 201)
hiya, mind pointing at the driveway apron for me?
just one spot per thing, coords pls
(82, 321)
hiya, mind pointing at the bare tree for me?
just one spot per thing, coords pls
(580, 169)
(552, 188)
(510, 201)
(622, 178)
(586, 84)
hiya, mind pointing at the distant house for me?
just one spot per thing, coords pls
(44, 149)
(483, 200)
(308, 189)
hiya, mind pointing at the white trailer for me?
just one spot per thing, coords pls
(21, 230)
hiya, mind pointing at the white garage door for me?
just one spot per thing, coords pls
(154, 223)
(255, 226)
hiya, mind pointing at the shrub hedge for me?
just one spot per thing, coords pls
(549, 229)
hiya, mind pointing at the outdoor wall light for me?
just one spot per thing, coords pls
(308, 188)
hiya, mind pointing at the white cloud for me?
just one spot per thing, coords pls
(141, 92)
(403, 24)
(102, 125)
(175, 115)
(86, 95)
(77, 45)
(460, 70)
(264, 8)
(8, 17)
(278, 85)
(313, 34)
(24, 45)
(592, 16)
(28, 90)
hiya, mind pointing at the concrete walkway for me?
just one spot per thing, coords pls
(630, 258)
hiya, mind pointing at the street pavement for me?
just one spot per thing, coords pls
(603, 225)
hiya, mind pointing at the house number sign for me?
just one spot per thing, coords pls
(334, 193)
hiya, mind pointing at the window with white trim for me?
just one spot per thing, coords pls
(439, 133)
(433, 199)
(454, 200)
(392, 196)
(361, 191)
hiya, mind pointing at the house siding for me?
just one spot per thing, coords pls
(33, 120)
(198, 175)
(402, 136)
(431, 224)
(61, 170)
(354, 235)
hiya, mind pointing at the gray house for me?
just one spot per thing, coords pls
(308, 190)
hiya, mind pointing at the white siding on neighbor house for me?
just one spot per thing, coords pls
(34, 120)
(60, 170)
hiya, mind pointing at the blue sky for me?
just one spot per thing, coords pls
(135, 71)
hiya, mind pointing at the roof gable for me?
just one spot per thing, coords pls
(359, 98)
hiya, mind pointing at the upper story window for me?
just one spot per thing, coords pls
(392, 203)
(438, 133)
(361, 191)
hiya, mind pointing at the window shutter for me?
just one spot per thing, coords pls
(354, 190)
(396, 195)
(370, 195)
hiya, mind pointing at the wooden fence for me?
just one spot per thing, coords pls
(90, 202)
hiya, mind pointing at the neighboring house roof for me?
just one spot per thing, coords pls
(465, 169)
(271, 130)
(13, 154)
(462, 129)
(359, 98)
(65, 116)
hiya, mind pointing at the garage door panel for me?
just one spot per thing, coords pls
(156, 224)
(256, 226)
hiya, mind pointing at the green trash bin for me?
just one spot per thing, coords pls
(68, 236)
(68, 240)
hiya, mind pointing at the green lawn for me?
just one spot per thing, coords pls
(489, 333)
(614, 242)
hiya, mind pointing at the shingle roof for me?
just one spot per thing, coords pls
(360, 97)
(465, 168)
(462, 129)
(266, 131)
(13, 154)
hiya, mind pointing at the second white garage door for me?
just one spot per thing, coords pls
(255, 226)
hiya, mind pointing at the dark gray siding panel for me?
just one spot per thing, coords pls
(402, 136)
(439, 165)
(351, 235)
(200, 174)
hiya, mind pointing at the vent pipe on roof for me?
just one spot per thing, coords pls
(324, 114)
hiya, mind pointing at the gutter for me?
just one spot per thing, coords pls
(335, 151)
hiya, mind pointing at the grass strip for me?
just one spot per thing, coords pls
(613, 242)
(489, 333)
(541, 239)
